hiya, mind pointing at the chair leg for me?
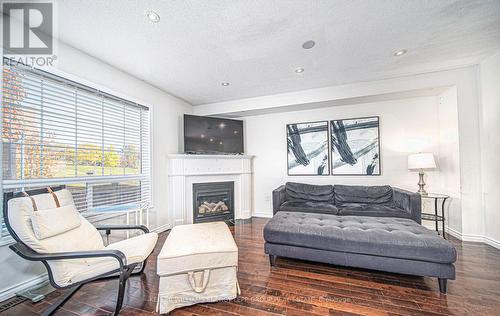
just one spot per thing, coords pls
(54, 307)
(143, 266)
(442, 285)
(121, 288)
(121, 293)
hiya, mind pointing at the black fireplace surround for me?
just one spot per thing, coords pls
(213, 201)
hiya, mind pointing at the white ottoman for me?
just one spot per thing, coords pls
(198, 263)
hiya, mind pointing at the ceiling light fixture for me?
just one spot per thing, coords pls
(225, 84)
(400, 52)
(299, 70)
(153, 16)
(308, 44)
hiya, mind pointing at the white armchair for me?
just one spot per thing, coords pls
(48, 228)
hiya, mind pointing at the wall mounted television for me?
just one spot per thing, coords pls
(211, 135)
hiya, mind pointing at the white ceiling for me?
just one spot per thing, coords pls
(256, 45)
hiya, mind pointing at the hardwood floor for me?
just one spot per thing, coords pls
(305, 288)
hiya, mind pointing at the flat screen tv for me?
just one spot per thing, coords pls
(211, 135)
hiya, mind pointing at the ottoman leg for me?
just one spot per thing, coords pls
(272, 260)
(442, 285)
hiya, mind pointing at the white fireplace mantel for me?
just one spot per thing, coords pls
(185, 170)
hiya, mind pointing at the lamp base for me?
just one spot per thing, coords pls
(421, 184)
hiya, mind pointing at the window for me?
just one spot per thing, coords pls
(56, 131)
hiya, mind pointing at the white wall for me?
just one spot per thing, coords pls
(449, 157)
(490, 145)
(166, 116)
(406, 126)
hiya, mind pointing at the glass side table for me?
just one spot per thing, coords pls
(436, 217)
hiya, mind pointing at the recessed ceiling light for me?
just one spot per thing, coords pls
(153, 16)
(400, 52)
(308, 44)
(225, 84)
(299, 70)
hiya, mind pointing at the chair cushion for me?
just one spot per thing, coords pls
(83, 237)
(377, 210)
(135, 249)
(309, 206)
(55, 221)
(378, 236)
(363, 194)
(196, 247)
(308, 192)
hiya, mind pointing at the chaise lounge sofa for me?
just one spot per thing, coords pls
(371, 227)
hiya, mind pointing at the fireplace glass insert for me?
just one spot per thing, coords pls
(213, 201)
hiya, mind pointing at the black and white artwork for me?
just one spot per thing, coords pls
(355, 146)
(308, 149)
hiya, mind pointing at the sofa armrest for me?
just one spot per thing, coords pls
(410, 202)
(279, 198)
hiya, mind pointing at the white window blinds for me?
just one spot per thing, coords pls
(56, 131)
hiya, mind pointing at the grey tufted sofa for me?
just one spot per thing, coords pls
(388, 243)
(379, 201)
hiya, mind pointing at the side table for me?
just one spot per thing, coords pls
(436, 217)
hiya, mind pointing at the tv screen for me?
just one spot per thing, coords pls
(211, 135)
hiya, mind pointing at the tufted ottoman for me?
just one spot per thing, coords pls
(380, 243)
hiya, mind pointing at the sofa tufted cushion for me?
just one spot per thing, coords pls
(379, 236)
(377, 210)
(308, 192)
(363, 194)
(309, 207)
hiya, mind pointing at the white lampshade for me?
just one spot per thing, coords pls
(421, 161)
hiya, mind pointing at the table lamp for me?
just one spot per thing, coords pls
(421, 162)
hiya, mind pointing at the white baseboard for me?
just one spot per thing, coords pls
(492, 242)
(264, 215)
(162, 228)
(178, 222)
(11, 291)
(473, 238)
(454, 233)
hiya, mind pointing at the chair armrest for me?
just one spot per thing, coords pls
(27, 253)
(279, 197)
(410, 202)
(122, 227)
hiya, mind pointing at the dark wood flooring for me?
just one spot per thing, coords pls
(306, 288)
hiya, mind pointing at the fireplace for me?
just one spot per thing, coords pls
(213, 201)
